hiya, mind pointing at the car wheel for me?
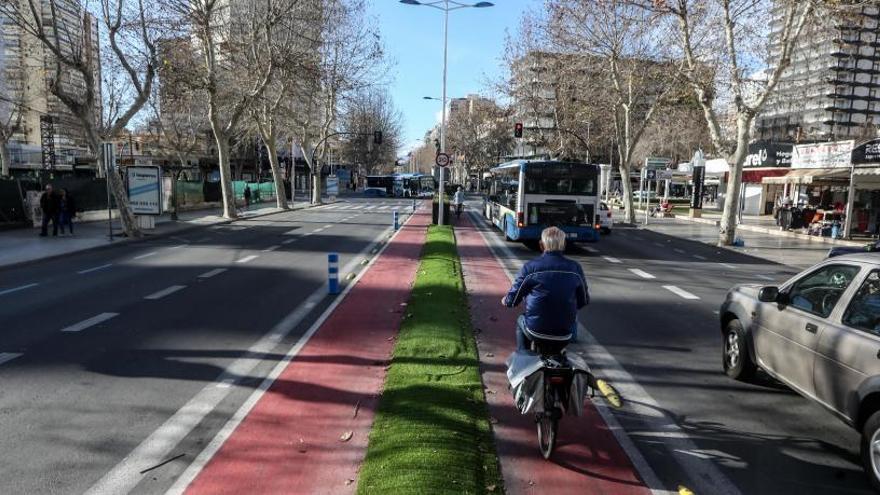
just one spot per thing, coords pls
(871, 449)
(738, 363)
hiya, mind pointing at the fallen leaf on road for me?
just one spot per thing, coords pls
(346, 436)
(531, 483)
(493, 420)
(349, 482)
(489, 354)
(302, 446)
(490, 391)
(490, 488)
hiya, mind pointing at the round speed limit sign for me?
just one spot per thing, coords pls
(442, 159)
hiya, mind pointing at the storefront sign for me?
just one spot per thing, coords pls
(822, 155)
(768, 154)
(867, 153)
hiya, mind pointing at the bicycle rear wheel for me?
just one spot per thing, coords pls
(547, 426)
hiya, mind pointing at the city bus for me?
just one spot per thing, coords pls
(527, 196)
(384, 183)
(414, 186)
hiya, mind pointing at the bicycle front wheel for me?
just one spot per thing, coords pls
(547, 427)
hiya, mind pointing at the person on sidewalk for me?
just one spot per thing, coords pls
(67, 210)
(49, 207)
(554, 288)
(458, 201)
(247, 197)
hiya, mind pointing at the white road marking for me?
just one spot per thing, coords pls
(641, 273)
(178, 246)
(611, 260)
(681, 251)
(94, 269)
(371, 207)
(157, 447)
(727, 265)
(680, 292)
(328, 225)
(659, 244)
(591, 249)
(165, 292)
(5, 357)
(697, 256)
(16, 289)
(638, 238)
(212, 273)
(356, 207)
(764, 277)
(95, 320)
(146, 255)
(247, 258)
(270, 249)
(288, 241)
(318, 230)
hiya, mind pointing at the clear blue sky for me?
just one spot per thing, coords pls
(414, 39)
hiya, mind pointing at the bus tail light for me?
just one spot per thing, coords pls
(520, 219)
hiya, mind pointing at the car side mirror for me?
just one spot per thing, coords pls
(769, 294)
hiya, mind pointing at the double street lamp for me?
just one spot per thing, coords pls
(446, 6)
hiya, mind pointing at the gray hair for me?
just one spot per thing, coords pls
(553, 239)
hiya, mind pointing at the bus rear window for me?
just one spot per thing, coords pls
(561, 178)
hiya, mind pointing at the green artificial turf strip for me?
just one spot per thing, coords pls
(431, 433)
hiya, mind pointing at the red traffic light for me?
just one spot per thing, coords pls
(517, 129)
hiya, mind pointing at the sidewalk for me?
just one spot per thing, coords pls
(587, 458)
(308, 433)
(19, 246)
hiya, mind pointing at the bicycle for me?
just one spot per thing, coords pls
(558, 375)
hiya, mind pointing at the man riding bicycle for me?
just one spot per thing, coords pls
(554, 289)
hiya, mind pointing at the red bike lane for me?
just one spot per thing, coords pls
(587, 458)
(308, 433)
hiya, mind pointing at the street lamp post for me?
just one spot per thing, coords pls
(446, 6)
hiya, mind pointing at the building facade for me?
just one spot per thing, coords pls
(831, 91)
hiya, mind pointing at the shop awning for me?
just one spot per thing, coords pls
(866, 171)
(810, 176)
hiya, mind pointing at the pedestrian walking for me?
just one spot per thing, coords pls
(247, 196)
(49, 207)
(67, 210)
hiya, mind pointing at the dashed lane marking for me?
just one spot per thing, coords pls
(16, 289)
(178, 246)
(591, 249)
(165, 292)
(288, 241)
(680, 251)
(727, 265)
(95, 320)
(247, 259)
(642, 273)
(611, 259)
(271, 248)
(212, 273)
(680, 292)
(764, 277)
(5, 357)
(146, 255)
(94, 269)
(328, 225)
(697, 256)
(660, 244)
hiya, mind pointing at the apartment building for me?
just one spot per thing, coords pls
(831, 91)
(29, 68)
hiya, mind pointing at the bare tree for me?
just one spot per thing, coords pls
(731, 37)
(11, 113)
(132, 59)
(617, 49)
(481, 135)
(368, 111)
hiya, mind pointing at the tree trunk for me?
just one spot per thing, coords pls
(280, 195)
(225, 179)
(175, 199)
(5, 158)
(316, 188)
(727, 234)
(629, 212)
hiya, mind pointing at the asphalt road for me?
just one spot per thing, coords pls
(117, 361)
(654, 332)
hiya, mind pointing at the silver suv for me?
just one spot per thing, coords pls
(819, 333)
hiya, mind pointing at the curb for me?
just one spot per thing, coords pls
(135, 240)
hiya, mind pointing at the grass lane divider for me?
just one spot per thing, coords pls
(432, 432)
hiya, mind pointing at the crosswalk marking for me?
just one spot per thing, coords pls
(101, 318)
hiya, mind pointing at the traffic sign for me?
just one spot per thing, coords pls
(657, 163)
(442, 159)
(651, 174)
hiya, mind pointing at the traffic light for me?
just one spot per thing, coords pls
(377, 137)
(517, 130)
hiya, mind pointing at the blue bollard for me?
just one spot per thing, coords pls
(333, 273)
(396, 221)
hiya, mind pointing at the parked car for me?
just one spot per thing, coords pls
(606, 219)
(872, 247)
(819, 333)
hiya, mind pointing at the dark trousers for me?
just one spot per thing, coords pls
(47, 217)
(67, 219)
(524, 342)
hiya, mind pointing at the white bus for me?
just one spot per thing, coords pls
(527, 196)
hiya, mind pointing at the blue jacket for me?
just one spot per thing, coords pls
(554, 289)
